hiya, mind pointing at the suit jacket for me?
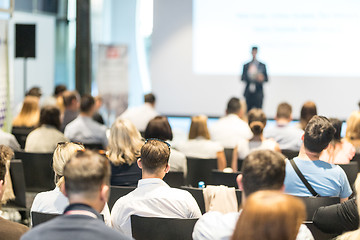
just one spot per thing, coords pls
(245, 78)
(11, 230)
(79, 227)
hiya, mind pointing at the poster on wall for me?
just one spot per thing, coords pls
(112, 78)
(3, 71)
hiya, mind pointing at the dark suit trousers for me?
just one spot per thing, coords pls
(254, 100)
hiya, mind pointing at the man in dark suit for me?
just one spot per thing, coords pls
(87, 179)
(254, 75)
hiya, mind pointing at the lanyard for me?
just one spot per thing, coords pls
(81, 212)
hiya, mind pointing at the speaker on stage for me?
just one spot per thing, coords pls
(25, 39)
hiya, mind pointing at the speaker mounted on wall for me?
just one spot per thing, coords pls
(25, 39)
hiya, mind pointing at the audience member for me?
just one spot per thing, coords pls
(55, 201)
(160, 128)
(87, 178)
(8, 230)
(57, 99)
(270, 215)
(199, 144)
(153, 197)
(257, 123)
(353, 130)
(339, 151)
(287, 136)
(140, 116)
(29, 114)
(261, 170)
(308, 110)
(326, 180)
(9, 140)
(98, 104)
(84, 129)
(125, 143)
(231, 128)
(33, 92)
(71, 100)
(45, 138)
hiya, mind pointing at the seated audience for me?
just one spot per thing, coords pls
(261, 170)
(353, 130)
(140, 116)
(84, 129)
(153, 197)
(160, 128)
(29, 114)
(8, 230)
(55, 201)
(71, 100)
(125, 143)
(339, 151)
(308, 110)
(33, 92)
(231, 128)
(199, 144)
(327, 180)
(57, 99)
(87, 179)
(45, 138)
(9, 140)
(341, 217)
(270, 215)
(98, 104)
(257, 123)
(288, 137)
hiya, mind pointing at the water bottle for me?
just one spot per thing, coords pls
(201, 184)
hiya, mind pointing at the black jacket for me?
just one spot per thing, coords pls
(245, 78)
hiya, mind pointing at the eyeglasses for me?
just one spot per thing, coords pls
(159, 140)
(64, 143)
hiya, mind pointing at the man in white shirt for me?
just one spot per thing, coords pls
(9, 140)
(141, 116)
(84, 129)
(229, 130)
(153, 197)
(255, 177)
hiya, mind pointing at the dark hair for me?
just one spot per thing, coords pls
(318, 134)
(59, 89)
(69, 96)
(284, 110)
(87, 103)
(308, 110)
(5, 154)
(254, 48)
(149, 98)
(337, 124)
(154, 155)
(50, 115)
(233, 105)
(160, 128)
(263, 170)
(257, 121)
(34, 91)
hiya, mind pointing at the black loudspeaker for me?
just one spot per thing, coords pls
(25, 39)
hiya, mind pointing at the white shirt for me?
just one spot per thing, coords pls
(140, 116)
(200, 148)
(246, 146)
(178, 162)
(55, 202)
(86, 130)
(153, 198)
(229, 130)
(9, 140)
(218, 226)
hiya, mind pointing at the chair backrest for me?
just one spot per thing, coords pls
(199, 170)
(117, 192)
(18, 183)
(351, 171)
(313, 203)
(222, 178)
(317, 233)
(93, 146)
(38, 172)
(290, 154)
(21, 134)
(38, 217)
(228, 156)
(175, 179)
(162, 228)
(240, 163)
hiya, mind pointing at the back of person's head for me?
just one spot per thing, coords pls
(337, 124)
(69, 97)
(59, 90)
(263, 170)
(150, 98)
(257, 121)
(34, 91)
(6, 154)
(62, 154)
(154, 155)
(159, 128)
(284, 110)
(50, 115)
(85, 174)
(87, 104)
(318, 134)
(29, 114)
(125, 142)
(198, 127)
(308, 110)
(353, 126)
(233, 106)
(270, 215)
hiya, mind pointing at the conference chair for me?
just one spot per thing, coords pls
(144, 228)
(93, 146)
(199, 170)
(21, 134)
(351, 171)
(117, 192)
(290, 154)
(313, 203)
(317, 233)
(175, 179)
(38, 172)
(222, 178)
(240, 162)
(356, 158)
(39, 218)
(228, 156)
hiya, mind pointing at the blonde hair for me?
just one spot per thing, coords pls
(125, 142)
(62, 154)
(29, 114)
(198, 127)
(353, 127)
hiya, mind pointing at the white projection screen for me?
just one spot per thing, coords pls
(311, 50)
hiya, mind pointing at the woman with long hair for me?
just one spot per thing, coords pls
(353, 130)
(29, 114)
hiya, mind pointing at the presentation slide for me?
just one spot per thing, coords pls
(295, 38)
